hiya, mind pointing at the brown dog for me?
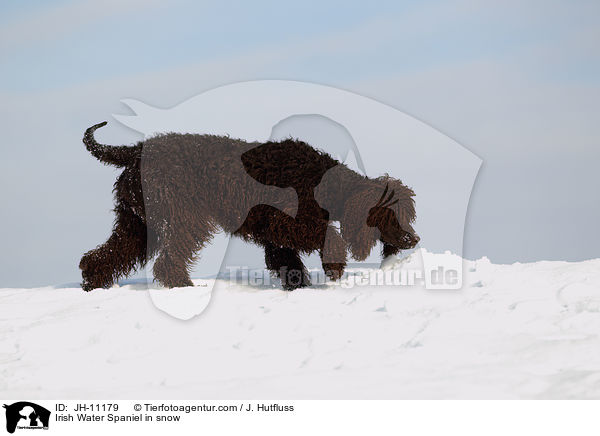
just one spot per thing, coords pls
(177, 190)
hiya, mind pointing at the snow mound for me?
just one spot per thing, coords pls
(512, 331)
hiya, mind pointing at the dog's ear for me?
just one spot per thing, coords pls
(405, 208)
(360, 237)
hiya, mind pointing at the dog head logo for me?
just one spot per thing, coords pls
(253, 182)
(26, 415)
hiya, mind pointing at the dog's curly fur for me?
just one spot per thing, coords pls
(177, 190)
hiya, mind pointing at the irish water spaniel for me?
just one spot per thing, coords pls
(177, 190)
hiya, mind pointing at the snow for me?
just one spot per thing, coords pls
(512, 331)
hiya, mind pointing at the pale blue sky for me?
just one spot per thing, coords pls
(516, 83)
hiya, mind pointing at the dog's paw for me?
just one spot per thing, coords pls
(176, 283)
(294, 279)
(95, 276)
(334, 271)
(89, 284)
(87, 287)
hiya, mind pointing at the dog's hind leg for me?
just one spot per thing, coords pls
(286, 264)
(119, 255)
(181, 238)
(333, 254)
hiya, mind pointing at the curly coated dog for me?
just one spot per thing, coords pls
(177, 190)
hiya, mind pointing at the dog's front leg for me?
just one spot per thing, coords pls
(286, 264)
(388, 250)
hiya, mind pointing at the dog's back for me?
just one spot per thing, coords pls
(289, 163)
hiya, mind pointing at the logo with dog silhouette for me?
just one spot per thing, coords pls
(26, 415)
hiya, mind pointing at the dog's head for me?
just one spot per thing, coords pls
(383, 210)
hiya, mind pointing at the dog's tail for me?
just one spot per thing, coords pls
(120, 155)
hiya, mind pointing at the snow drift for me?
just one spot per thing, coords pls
(512, 331)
